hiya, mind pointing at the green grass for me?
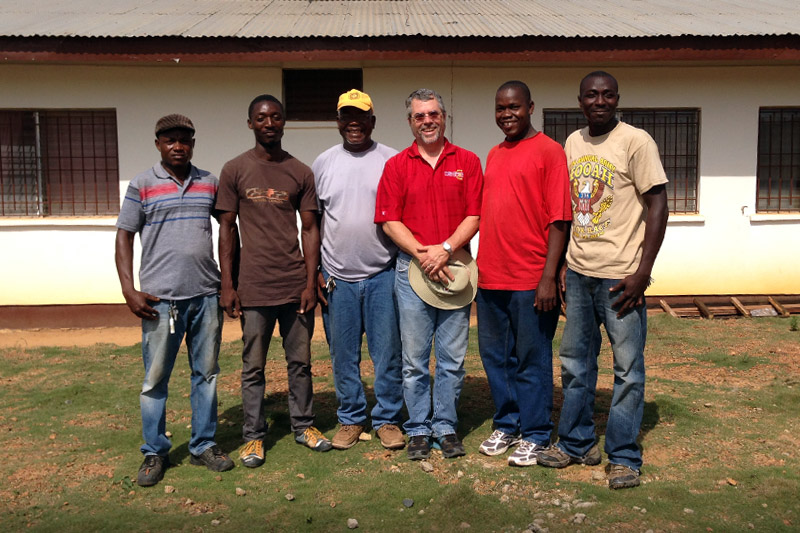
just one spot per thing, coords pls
(720, 437)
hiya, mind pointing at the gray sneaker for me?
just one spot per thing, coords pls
(498, 443)
(622, 477)
(526, 454)
(555, 457)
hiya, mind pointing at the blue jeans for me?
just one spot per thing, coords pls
(200, 320)
(516, 346)
(420, 325)
(353, 309)
(589, 304)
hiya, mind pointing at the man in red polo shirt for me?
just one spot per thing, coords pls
(429, 203)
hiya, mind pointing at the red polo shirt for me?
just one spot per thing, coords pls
(431, 202)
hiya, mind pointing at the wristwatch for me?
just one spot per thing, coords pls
(447, 248)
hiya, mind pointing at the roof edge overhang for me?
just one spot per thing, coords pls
(543, 50)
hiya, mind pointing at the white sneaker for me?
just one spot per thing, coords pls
(525, 454)
(498, 442)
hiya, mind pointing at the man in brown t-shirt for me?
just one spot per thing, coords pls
(265, 187)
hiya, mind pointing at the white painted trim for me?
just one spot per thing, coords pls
(774, 217)
(686, 219)
(44, 222)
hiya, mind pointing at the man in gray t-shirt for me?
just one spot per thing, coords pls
(169, 205)
(356, 282)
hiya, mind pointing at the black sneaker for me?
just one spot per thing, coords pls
(419, 448)
(451, 446)
(152, 470)
(214, 459)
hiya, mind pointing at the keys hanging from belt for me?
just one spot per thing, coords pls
(173, 316)
(330, 284)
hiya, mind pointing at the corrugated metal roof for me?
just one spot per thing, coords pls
(390, 18)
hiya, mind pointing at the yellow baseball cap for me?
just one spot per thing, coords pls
(355, 98)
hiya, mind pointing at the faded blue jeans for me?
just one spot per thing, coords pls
(354, 308)
(589, 304)
(516, 346)
(421, 325)
(200, 320)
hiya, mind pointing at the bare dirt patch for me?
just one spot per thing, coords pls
(121, 336)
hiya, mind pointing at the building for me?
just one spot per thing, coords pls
(84, 82)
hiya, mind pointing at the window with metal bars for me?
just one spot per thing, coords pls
(675, 131)
(778, 174)
(58, 162)
(312, 94)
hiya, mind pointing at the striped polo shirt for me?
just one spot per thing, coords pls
(175, 228)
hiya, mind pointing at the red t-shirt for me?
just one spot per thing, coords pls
(526, 189)
(431, 202)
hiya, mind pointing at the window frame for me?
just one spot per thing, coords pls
(689, 181)
(763, 163)
(310, 94)
(68, 158)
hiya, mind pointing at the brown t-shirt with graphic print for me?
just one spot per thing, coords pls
(608, 175)
(267, 195)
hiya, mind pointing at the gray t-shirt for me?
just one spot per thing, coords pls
(354, 248)
(174, 221)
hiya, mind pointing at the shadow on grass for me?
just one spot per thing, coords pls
(276, 409)
(476, 407)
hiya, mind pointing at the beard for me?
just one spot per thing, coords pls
(430, 140)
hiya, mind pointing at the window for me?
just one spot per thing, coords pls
(58, 163)
(675, 131)
(312, 94)
(778, 174)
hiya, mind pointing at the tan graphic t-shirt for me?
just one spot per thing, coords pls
(267, 196)
(608, 175)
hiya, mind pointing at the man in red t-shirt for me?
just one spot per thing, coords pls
(526, 214)
(429, 204)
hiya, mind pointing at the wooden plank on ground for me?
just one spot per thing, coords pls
(739, 307)
(778, 307)
(665, 306)
(704, 310)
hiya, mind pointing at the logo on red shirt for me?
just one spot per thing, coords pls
(457, 174)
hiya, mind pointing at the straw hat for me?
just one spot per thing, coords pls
(460, 292)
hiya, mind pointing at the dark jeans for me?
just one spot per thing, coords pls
(516, 346)
(296, 331)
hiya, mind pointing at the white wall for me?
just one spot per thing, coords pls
(721, 250)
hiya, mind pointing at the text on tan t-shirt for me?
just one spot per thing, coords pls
(608, 175)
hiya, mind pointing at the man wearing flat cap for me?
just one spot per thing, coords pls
(170, 206)
(429, 204)
(356, 281)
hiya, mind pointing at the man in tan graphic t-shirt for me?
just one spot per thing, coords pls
(619, 215)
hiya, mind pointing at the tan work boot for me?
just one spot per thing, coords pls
(391, 437)
(347, 436)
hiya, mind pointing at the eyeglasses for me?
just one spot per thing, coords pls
(419, 117)
(359, 117)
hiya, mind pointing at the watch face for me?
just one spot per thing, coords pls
(447, 247)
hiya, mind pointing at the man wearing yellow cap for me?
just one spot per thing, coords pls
(357, 276)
